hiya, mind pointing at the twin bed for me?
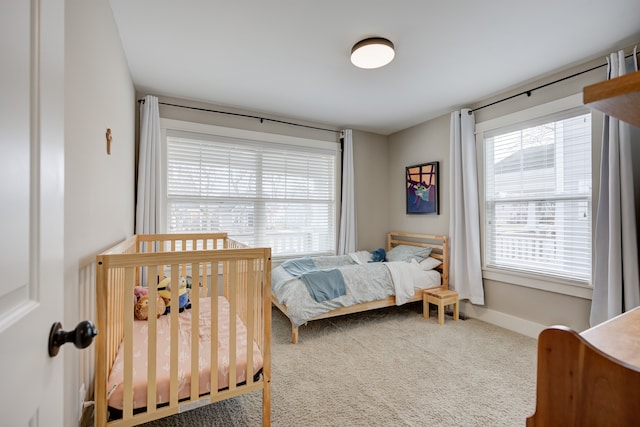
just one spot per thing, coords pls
(415, 262)
(219, 346)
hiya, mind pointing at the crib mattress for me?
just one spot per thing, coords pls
(140, 356)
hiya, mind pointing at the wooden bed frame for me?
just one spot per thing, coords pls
(440, 250)
(589, 379)
(244, 276)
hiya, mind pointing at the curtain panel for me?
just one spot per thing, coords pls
(348, 230)
(148, 185)
(465, 273)
(616, 283)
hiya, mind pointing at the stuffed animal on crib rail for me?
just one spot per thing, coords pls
(164, 290)
(141, 309)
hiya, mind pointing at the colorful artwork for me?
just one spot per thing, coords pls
(422, 189)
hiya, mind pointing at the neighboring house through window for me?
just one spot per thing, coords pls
(262, 189)
(538, 196)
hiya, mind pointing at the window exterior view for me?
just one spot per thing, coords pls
(280, 196)
(538, 195)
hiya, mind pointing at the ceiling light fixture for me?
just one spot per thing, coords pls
(373, 52)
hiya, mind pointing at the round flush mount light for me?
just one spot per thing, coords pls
(373, 52)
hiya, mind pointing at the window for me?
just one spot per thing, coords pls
(538, 196)
(280, 195)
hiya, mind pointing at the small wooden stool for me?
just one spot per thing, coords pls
(441, 298)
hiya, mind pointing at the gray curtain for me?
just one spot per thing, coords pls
(465, 272)
(616, 283)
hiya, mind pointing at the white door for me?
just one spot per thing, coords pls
(31, 209)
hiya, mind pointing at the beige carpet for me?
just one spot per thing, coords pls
(388, 367)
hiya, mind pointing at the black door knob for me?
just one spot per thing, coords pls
(81, 336)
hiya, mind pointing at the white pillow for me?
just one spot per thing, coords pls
(418, 276)
(429, 263)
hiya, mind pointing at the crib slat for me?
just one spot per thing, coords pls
(152, 286)
(195, 331)
(214, 338)
(207, 279)
(128, 343)
(173, 315)
(249, 321)
(233, 332)
(117, 309)
(102, 350)
(265, 290)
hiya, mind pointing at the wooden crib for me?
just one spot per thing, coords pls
(220, 269)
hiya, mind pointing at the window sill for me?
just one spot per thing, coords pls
(558, 286)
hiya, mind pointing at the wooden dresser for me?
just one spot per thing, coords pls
(619, 338)
(589, 379)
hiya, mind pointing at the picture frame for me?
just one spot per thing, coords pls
(422, 182)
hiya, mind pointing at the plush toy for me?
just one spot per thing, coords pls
(379, 255)
(139, 292)
(141, 309)
(190, 285)
(164, 290)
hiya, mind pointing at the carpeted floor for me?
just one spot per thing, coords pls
(388, 367)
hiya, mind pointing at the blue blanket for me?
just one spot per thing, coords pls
(298, 266)
(324, 285)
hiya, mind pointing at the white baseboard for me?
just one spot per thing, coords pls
(507, 321)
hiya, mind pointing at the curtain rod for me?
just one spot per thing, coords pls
(262, 119)
(528, 92)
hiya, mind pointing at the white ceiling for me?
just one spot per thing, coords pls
(291, 57)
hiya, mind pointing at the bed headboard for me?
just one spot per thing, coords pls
(439, 248)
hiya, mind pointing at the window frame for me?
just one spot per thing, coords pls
(527, 279)
(171, 125)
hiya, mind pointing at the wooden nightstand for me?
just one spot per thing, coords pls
(441, 298)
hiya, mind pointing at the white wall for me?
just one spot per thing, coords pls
(99, 188)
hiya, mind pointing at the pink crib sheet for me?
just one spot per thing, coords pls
(140, 356)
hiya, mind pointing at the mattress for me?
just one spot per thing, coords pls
(140, 356)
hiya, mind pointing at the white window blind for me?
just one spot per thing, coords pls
(263, 194)
(538, 196)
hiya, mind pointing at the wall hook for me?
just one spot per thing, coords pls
(108, 136)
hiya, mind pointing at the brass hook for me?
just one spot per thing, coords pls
(108, 135)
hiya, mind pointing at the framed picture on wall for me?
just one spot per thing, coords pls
(422, 189)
